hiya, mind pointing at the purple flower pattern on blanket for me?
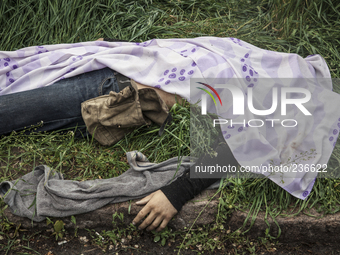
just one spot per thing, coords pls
(249, 74)
(236, 128)
(4, 62)
(189, 51)
(334, 132)
(175, 73)
(145, 44)
(236, 41)
(250, 77)
(10, 64)
(305, 193)
(40, 49)
(77, 58)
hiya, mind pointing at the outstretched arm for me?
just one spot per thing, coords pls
(165, 203)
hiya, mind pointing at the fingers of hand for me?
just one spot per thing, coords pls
(145, 199)
(148, 221)
(163, 225)
(160, 211)
(155, 223)
(156, 217)
(141, 215)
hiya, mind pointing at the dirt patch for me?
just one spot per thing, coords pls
(88, 243)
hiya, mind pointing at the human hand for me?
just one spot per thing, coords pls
(159, 210)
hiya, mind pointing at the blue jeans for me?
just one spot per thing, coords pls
(56, 106)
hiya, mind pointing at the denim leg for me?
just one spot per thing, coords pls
(57, 105)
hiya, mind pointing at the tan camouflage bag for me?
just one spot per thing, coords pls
(110, 117)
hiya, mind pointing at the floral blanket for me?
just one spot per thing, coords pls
(170, 64)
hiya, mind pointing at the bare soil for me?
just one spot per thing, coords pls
(43, 242)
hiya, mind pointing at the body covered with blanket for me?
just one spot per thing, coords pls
(170, 65)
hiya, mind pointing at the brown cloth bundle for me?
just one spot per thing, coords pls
(110, 117)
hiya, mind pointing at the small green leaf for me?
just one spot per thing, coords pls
(163, 241)
(156, 239)
(73, 220)
(267, 231)
(58, 226)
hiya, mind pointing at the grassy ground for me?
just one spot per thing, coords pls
(302, 27)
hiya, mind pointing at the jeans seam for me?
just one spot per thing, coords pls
(100, 88)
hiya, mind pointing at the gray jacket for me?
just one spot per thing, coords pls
(44, 193)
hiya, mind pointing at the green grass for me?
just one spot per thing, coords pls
(302, 27)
